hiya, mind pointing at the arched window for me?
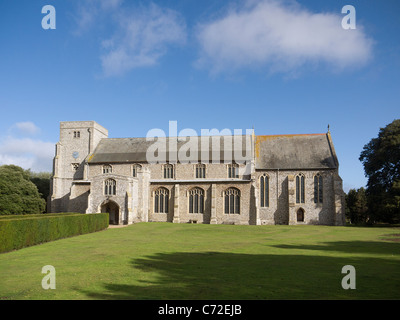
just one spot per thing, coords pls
(110, 187)
(200, 170)
(318, 189)
(161, 200)
(300, 188)
(196, 200)
(107, 168)
(168, 171)
(300, 215)
(264, 191)
(232, 201)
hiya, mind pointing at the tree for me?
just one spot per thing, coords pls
(42, 182)
(18, 195)
(381, 160)
(356, 206)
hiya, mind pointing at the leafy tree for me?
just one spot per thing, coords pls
(381, 160)
(42, 182)
(356, 206)
(18, 195)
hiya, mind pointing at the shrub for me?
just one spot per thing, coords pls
(18, 194)
(22, 231)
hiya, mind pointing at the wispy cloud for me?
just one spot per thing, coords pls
(143, 36)
(140, 35)
(26, 127)
(88, 12)
(280, 37)
(26, 151)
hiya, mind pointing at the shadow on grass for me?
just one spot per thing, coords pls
(221, 275)
(356, 247)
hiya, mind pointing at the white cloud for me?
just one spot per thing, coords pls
(280, 36)
(89, 11)
(143, 36)
(27, 153)
(27, 127)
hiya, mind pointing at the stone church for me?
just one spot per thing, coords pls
(272, 179)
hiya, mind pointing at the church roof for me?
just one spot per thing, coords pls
(296, 151)
(135, 149)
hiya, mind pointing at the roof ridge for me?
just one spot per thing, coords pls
(198, 136)
(291, 134)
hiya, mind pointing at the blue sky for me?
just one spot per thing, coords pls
(283, 67)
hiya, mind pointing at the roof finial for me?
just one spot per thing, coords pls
(328, 127)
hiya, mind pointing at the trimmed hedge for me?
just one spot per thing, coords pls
(24, 231)
(36, 215)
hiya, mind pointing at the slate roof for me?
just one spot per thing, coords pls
(297, 151)
(135, 149)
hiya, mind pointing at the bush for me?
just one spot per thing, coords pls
(18, 194)
(22, 231)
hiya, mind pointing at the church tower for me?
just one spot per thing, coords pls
(78, 139)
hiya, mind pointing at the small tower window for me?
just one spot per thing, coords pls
(77, 134)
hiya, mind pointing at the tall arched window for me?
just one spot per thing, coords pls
(232, 201)
(161, 200)
(196, 200)
(264, 191)
(110, 187)
(300, 188)
(107, 168)
(318, 189)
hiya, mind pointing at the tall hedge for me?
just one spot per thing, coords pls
(30, 230)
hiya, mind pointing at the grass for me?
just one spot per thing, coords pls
(185, 261)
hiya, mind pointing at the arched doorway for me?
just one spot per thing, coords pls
(113, 211)
(300, 215)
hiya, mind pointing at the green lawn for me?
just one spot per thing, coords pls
(189, 261)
